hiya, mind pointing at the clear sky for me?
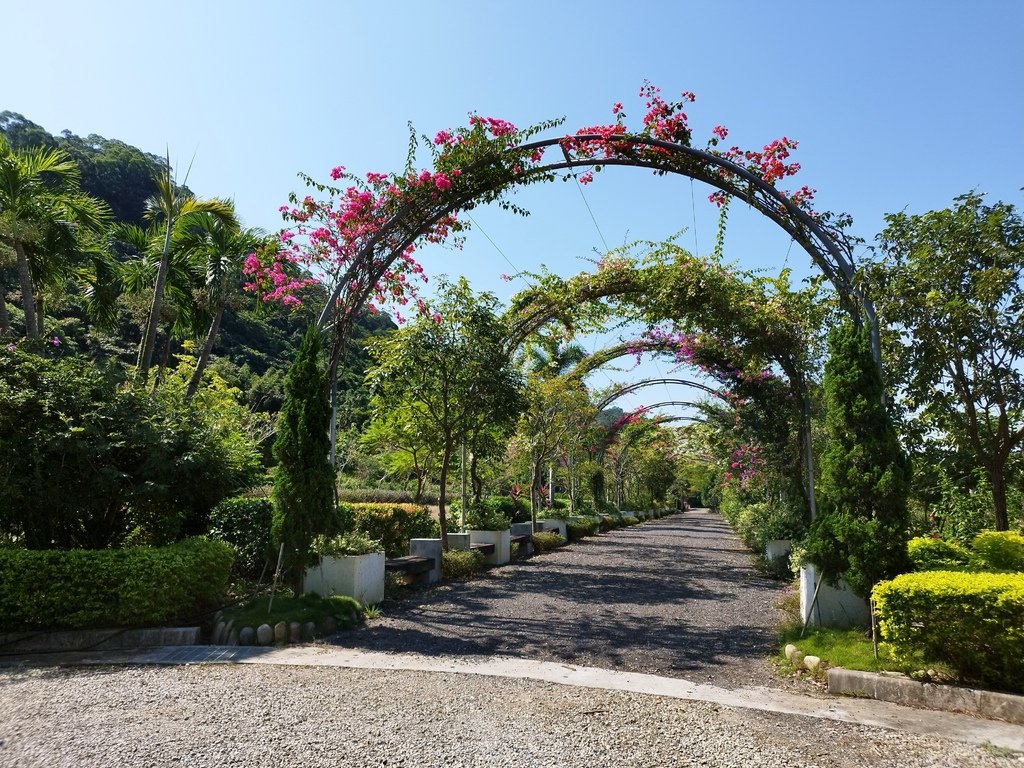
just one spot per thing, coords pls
(897, 105)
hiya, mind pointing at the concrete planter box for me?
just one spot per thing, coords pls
(458, 541)
(835, 607)
(428, 548)
(502, 541)
(553, 524)
(522, 529)
(358, 576)
(777, 548)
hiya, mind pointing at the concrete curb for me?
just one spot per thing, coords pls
(96, 640)
(900, 689)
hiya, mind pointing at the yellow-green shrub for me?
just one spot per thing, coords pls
(545, 541)
(137, 586)
(460, 564)
(973, 622)
(928, 554)
(1000, 550)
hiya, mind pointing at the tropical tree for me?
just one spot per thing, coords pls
(173, 208)
(950, 289)
(218, 249)
(42, 212)
(556, 408)
(446, 368)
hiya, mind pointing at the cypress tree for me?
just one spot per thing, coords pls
(303, 495)
(861, 531)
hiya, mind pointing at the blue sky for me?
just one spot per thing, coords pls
(896, 105)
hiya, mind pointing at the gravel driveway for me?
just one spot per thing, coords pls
(269, 716)
(675, 597)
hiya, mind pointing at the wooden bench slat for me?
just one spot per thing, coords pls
(409, 564)
(487, 549)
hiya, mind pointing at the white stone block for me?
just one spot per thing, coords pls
(458, 541)
(777, 548)
(428, 548)
(502, 541)
(358, 576)
(554, 524)
(835, 606)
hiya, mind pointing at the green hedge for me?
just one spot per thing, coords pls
(383, 496)
(140, 586)
(973, 622)
(578, 529)
(1000, 550)
(391, 524)
(929, 554)
(545, 541)
(244, 523)
(460, 564)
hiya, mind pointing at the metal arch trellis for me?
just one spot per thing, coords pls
(629, 388)
(411, 222)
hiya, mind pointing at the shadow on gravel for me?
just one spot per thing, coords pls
(673, 597)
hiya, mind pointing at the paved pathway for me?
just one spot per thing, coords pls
(676, 597)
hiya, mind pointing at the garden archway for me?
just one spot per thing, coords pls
(488, 176)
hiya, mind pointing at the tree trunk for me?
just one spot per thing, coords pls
(149, 337)
(28, 299)
(475, 480)
(204, 355)
(534, 491)
(163, 362)
(441, 495)
(997, 480)
(5, 318)
(39, 317)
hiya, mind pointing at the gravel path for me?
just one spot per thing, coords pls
(675, 597)
(268, 716)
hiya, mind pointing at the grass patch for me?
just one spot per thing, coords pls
(346, 611)
(848, 648)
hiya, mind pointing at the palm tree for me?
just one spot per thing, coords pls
(218, 251)
(143, 249)
(41, 210)
(176, 209)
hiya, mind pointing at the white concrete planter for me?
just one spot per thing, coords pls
(428, 548)
(358, 576)
(554, 524)
(522, 529)
(835, 606)
(777, 548)
(502, 541)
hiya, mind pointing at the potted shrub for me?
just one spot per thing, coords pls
(351, 564)
(487, 525)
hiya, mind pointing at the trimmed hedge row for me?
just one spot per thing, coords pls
(974, 622)
(140, 586)
(990, 551)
